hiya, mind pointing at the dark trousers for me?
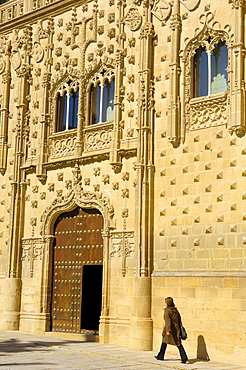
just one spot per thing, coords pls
(163, 348)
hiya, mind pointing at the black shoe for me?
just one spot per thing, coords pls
(161, 359)
(184, 362)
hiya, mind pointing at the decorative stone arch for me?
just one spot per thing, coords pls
(69, 203)
(201, 40)
(76, 198)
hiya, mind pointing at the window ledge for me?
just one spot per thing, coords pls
(98, 126)
(65, 132)
(203, 99)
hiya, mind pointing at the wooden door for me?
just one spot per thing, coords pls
(78, 243)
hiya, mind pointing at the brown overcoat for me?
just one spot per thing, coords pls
(172, 324)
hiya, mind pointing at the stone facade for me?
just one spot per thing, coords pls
(167, 172)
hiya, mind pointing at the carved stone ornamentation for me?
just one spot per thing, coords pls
(62, 144)
(96, 187)
(98, 138)
(60, 176)
(97, 171)
(32, 250)
(105, 179)
(38, 52)
(34, 204)
(51, 186)
(125, 176)
(130, 132)
(122, 243)
(59, 193)
(125, 193)
(43, 195)
(111, 17)
(2, 64)
(35, 189)
(111, 33)
(68, 184)
(77, 197)
(208, 112)
(115, 185)
(133, 19)
(87, 181)
(204, 106)
(236, 4)
(117, 167)
(162, 10)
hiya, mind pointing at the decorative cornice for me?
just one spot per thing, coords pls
(28, 18)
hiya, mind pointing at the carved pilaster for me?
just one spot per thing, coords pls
(145, 146)
(84, 43)
(119, 64)
(4, 110)
(22, 45)
(174, 109)
(238, 125)
(45, 115)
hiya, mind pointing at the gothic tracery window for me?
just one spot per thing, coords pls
(210, 74)
(101, 100)
(67, 107)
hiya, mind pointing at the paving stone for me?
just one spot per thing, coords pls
(19, 351)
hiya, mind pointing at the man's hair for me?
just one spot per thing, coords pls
(169, 301)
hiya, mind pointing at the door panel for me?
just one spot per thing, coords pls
(78, 243)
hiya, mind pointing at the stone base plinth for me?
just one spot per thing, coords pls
(11, 315)
(38, 323)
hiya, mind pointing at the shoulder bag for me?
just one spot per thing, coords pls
(183, 333)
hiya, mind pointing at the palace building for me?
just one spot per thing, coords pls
(123, 170)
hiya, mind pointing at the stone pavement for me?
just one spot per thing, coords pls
(27, 351)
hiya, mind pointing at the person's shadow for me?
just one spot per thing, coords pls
(202, 353)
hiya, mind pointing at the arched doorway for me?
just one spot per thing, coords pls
(77, 271)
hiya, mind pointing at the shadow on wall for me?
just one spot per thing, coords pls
(202, 352)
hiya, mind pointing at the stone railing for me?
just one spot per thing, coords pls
(208, 111)
(15, 8)
(98, 137)
(62, 144)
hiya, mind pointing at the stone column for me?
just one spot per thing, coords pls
(174, 109)
(141, 332)
(237, 98)
(104, 319)
(12, 292)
